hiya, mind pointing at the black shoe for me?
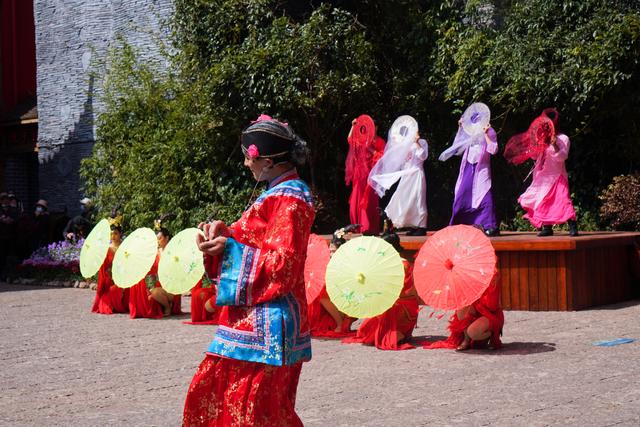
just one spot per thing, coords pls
(417, 232)
(573, 228)
(492, 232)
(547, 230)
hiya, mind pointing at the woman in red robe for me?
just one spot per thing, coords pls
(477, 325)
(392, 329)
(251, 369)
(363, 202)
(140, 302)
(147, 299)
(325, 320)
(203, 296)
(110, 298)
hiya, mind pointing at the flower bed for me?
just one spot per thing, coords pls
(59, 261)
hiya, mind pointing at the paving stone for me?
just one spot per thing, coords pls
(62, 365)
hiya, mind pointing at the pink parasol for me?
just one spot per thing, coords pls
(315, 266)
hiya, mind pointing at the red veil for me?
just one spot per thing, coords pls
(359, 156)
(533, 142)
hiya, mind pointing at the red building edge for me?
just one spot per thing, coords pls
(18, 101)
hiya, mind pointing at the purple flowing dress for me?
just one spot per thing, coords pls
(473, 201)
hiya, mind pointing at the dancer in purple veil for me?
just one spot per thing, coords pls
(476, 142)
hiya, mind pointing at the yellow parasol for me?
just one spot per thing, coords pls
(94, 249)
(181, 264)
(134, 257)
(365, 277)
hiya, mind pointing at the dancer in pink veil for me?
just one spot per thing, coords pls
(546, 201)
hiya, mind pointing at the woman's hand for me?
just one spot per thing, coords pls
(211, 247)
(214, 229)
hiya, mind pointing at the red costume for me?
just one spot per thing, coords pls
(382, 331)
(488, 305)
(363, 202)
(205, 290)
(199, 296)
(321, 323)
(109, 298)
(250, 373)
(140, 302)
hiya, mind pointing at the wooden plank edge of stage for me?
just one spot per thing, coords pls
(560, 272)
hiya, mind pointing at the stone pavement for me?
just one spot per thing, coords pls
(62, 365)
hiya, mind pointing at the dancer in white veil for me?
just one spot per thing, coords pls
(403, 158)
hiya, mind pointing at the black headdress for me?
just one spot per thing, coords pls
(338, 235)
(160, 223)
(269, 138)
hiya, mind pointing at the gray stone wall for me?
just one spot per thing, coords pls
(71, 37)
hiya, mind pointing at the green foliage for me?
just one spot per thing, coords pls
(621, 202)
(167, 140)
(580, 56)
(160, 148)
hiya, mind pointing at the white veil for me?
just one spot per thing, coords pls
(390, 167)
(461, 142)
(471, 130)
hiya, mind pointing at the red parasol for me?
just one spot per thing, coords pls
(532, 143)
(454, 267)
(315, 266)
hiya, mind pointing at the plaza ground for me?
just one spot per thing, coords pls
(62, 365)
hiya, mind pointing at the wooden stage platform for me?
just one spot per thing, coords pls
(560, 272)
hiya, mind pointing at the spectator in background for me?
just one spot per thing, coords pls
(14, 204)
(8, 217)
(32, 230)
(79, 226)
(42, 224)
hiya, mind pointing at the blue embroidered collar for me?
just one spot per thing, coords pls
(288, 175)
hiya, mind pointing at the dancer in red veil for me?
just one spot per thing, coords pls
(365, 149)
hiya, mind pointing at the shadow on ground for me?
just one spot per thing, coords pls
(508, 348)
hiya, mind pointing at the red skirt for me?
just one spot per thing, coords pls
(199, 315)
(382, 331)
(321, 324)
(111, 300)
(176, 304)
(140, 305)
(229, 392)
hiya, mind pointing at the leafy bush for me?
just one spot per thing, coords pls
(621, 202)
(168, 139)
(161, 148)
